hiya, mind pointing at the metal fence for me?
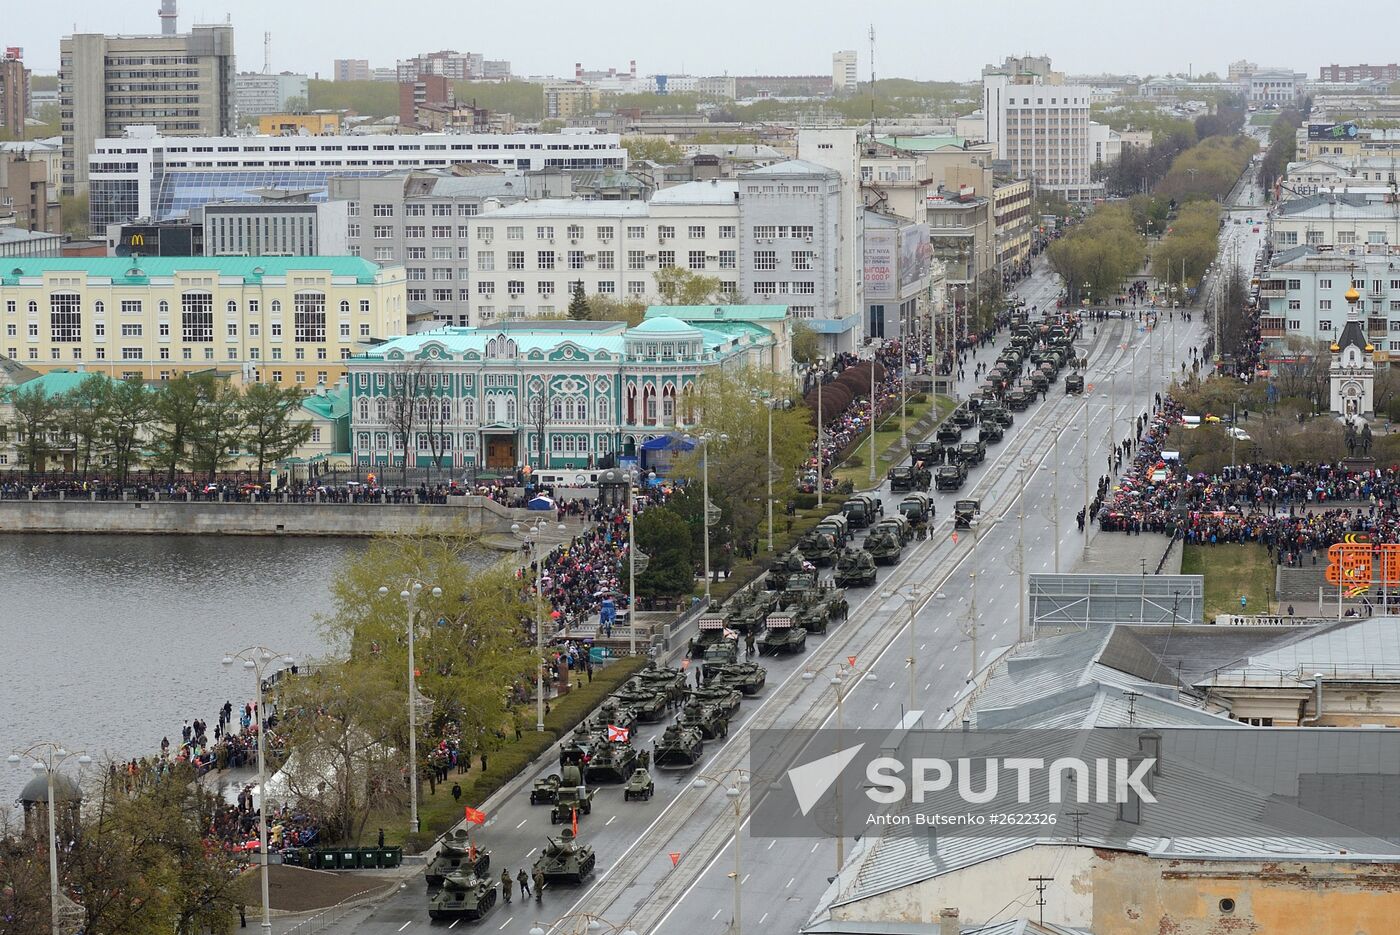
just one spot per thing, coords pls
(1083, 601)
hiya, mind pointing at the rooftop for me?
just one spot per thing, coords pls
(924, 144)
(569, 208)
(713, 192)
(12, 234)
(791, 167)
(148, 267)
(1341, 206)
(696, 313)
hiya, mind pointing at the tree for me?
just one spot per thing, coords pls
(540, 401)
(35, 424)
(806, 343)
(177, 408)
(270, 432)
(73, 210)
(218, 435)
(130, 410)
(682, 287)
(610, 308)
(578, 305)
(665, 538)
(652, 149)
(407, 382)
(1103, 251)
(83, 414)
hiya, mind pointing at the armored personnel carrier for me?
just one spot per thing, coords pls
(963, 417)
(948, 434)
(680, 745)
(990, 432)
(883, 546)
(704, 716)
(639, 785)
(564, 860)
(855, 568)
(463, 896)
(457, 855)
(1000, 416)
(783, 636)
(611, 761)
(747, 677)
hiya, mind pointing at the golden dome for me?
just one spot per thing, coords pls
(1336, 347)
(1352, 296)
(1368, 348)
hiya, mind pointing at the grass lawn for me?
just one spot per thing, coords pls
(1232, 570)
(885, 436)
(1263, 119)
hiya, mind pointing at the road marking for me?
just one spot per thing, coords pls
(522, 823)
(812, 851)
(716, 915)
(531, 851)
(505, 923)
(610, 821)
(454, 923)
(405, 925)
(935, 630)
(922, 645)
(770, 844)
(877, 704)
(941, 665)
(928, 686)
(789, 882)
(892, 684)
(760, 921)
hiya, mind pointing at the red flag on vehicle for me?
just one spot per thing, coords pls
(575, 822)
(475, 816)
(618, 734)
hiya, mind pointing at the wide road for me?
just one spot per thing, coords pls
(782, 879)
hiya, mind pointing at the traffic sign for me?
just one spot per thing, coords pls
(675, 858)
(955, 538)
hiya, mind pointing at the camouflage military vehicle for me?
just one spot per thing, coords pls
(704, 716)
(467, 897)
(990, 432)
(964, 512)
(950, 476)
(611, 761)
(747, 677)
(725, 699)
(1018, 400)
(1000, 416)
(783, 635)
(457, 855)
(855, 568)
(1074, 384)
(883, 546)
(862, 509)
(899, 524)
(838, 526)
(900, 478)
(708, 631)
(721, 653)
(680, 745)
(790, 563)
(753, 604)
(648, 703)
(639, 785)
(612, 713)
(948, 434)
(575, 801)
(545, 791)
(918, 509)
(963, 417)
(669, 679)
(818, 546)
(1039, 381)
(564, 860)
(926, 452)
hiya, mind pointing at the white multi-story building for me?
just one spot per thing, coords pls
(843, 70)
(255, 94)
(838, 149)
(1277, 86)
(1042, 130)
(1364, 223)
(144, 175)
(1105, 145)
(1303, 295)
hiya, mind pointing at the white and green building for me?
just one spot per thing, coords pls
(604, 388)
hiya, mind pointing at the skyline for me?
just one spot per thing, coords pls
(1087, 37)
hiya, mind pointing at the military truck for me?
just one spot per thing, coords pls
(748, 677)
(964, 512)
(948, 434)
(855, 568)
(564, 860)
(838, 526)
(1039, 381)
(467, 897)
(1018, 400)
(990, 432)
(901, 479)
(818, 546)
(918, 508)
(862, 509)
(783, 635)
(721, 653)
(574, 801)
(949, 477)
(899, 524)
(884, 546)
(925, 453)
(708, 630)
(457, 854)
(704, 716)
(679, 745)
(1074, 384)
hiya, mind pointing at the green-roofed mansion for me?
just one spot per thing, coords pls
(466, 395)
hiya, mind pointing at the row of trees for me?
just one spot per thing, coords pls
(1209, 169)
(1100, 253)
(197, 422)
(1192, 240)
(1283, 147)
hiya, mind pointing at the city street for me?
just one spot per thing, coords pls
(782, 878)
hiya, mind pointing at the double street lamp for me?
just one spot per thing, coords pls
(259, 661)
(734, 793)
(705, 512)
(636, 562)
(409, 595)
(771, 403)
(44, 759)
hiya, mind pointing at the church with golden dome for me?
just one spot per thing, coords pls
(1353, 371)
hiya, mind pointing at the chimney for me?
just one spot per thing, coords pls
(167, 17)
(948, 923)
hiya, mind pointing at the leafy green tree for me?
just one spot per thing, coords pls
(73, 210)
(683, 287)
(270, 432)
(611, 308)
(219, 432)
(177, 407)
(653, 149)
(35, 424)
(666, 539)
(578, 304)
(128, 415)
(1102, 251)
(806, 343)
(84, 414)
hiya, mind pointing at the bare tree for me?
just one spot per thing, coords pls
(540, 402)
(437, 419)
(406, 383)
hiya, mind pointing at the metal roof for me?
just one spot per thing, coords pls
(791, 167)
(249, 267)
(568, 208)
(713, 192)
(1358, 647)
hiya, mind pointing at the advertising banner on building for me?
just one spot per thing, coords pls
(1332, 131)
(915, 255)
(880, 258)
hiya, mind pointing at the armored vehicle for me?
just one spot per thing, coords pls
(457, 855)
(640, 785)
(679, 745)
(721, 653)
(545, 791)
(564, 860)
(1000, 416)
(817, 546)
(918, 508)
(1040, 381)
(899, 524)
(963, 417)
(791, 563)
(1018, 400)
(708, 631)
(783, 635)
(748, 677)
(746, 612)
(862, 509)
(990, 432)
(809, 613)
(901, 479)
(855, 568)
(463, 896)
(648, 703)
(725, 699)
(949, 477)
(971, 453)
(964, 511)
(883, 545)
(705, 717)
(667, 679)
(611, 761)
(574, 801)
(1051, 370)
(948, 434)
(612, 713)
(1074, 384)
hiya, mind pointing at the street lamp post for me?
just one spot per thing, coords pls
(46, 757)
(735, 796)
(838, 681)
(873, 417)
(632, 478)
(410, 597)
(821, 434)
(257, 660)
(531, 536)
(769, 403)
(915, 597)
(705, 440)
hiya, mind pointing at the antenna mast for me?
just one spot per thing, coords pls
(267, 53)
(872, 82)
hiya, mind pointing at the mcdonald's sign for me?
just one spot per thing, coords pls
(136, 240)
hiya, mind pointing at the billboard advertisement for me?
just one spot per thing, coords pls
(915, 255)
(1332, 131)
(881, 277)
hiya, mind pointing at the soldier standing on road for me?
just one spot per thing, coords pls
(539, 885)
(505, 886)
(524, 879)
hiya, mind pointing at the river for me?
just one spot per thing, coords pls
(108, 643)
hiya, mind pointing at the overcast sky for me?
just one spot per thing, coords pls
(914, 38)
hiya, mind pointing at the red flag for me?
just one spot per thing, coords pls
(685, 663)
(475, 816)
(852, 661)
(575, 822)
(955, 538)
(675, 857)
(617, 734)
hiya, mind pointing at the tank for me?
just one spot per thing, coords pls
(611, 762)
(783, 636)
(648, 703)
(565, 860)
(463, 896)
(679, 745)
(668, 679)
(705, 717)
(747, 677)
(855, 568)
(724, 698)
(884, 546)
(747, 612)
(791, 563)
(817, 547)
(545, 791)
(612, 713)
(457, 855)
(639, 785)
(809, 613)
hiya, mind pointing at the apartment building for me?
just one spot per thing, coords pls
(455, 66)
(277, 226)
(844, 76)
(1345, 222)
(1012, 209)
(24, 194)
(48, 151)
(564, 100)
(255, 94)
(1303, 296)
(146, 175)
(282, 124)
(1349, 74)
(14, 93)
(1042, 129)
(420, 91)
(351, 69)
(286, 320)
(182, 85)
